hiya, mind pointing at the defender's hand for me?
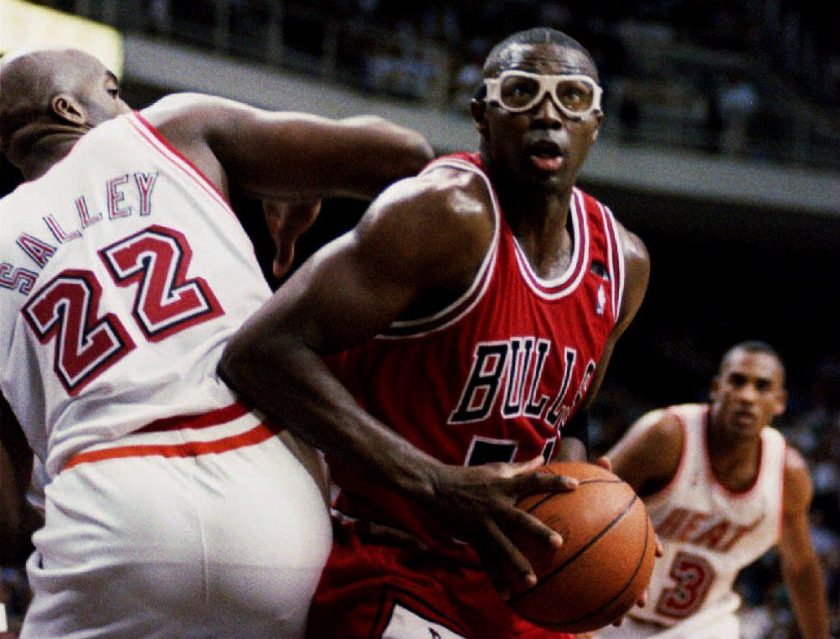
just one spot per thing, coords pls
(286, 222)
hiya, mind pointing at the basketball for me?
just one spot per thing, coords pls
(606, 559)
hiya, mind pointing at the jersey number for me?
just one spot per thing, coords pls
(66, 309)
(486, 450)
(694, 576)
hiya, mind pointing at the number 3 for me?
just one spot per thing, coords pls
(694, 576)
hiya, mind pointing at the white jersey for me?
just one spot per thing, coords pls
(709, 533)
(123, 271)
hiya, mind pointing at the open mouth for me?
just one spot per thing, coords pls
(744, 417)
(546, 155)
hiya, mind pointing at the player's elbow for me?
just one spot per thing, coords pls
(415, 153)
(236, 364)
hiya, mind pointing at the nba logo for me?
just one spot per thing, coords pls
(602, 301)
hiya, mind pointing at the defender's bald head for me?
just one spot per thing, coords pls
(45, 90)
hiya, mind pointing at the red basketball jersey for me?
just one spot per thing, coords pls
(496, 375)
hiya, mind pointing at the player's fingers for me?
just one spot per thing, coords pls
(543, 482)
(659, 549)
(521, 468)
(536, 528)
(503, 553)
(604, 462)
(642, 600)
(283, 259)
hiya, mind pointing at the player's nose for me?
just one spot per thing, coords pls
(546, 112)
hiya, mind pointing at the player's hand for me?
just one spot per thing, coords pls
(605, 463)
(479, 503)
(286, 222)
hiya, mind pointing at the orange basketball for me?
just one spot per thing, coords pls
(605, 562)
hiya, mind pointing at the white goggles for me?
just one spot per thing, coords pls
(577, 96)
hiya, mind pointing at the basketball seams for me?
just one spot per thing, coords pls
(569, 560)
(530, 510)
(615, 598)
(604, 566)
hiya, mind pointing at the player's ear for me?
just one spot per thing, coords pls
(714, 389)
(780, 403)
(478, 109)
(67, 108)
(599, 120)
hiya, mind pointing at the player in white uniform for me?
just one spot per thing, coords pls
(172, 510)
(722, 488)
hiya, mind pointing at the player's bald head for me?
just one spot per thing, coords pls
(49, 86)
(30, 80)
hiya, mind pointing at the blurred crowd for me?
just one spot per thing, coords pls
(757, 78)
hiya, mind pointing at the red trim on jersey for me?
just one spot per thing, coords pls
(204, 420)
(157, 140)
(260, 433)
(615, 256)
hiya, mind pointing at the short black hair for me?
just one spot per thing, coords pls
(538, 35)
(753, 346)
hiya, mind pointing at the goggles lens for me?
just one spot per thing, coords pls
(577, 96)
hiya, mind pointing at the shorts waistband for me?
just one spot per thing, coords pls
(217, 431)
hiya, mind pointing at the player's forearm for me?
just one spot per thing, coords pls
(806, 586)
(316, 407)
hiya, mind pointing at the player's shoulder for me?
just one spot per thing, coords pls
(664, 426)
(794, 461)
(184, 102)
(436, 222)
(798, 486)
(443, 197)
(194, 114)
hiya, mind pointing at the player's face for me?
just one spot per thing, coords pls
(543, 146)
(101, 95)
(748, 393)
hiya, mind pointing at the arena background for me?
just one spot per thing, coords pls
(741, 213)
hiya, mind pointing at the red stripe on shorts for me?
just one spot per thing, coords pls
(205, 420)
(256, 435)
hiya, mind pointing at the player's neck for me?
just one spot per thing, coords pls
(540, 223)
(735, 461)
(46, 151)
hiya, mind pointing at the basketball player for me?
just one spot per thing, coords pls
(721, 487)
(472, 313)
(172, 509)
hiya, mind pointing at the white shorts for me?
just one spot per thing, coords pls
(185, 539)
(724, 626)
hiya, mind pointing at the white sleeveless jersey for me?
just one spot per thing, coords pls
(709, 533)
(122, 273)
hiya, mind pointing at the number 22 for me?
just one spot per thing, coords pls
(66, 309)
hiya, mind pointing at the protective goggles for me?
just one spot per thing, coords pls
(577, 96)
